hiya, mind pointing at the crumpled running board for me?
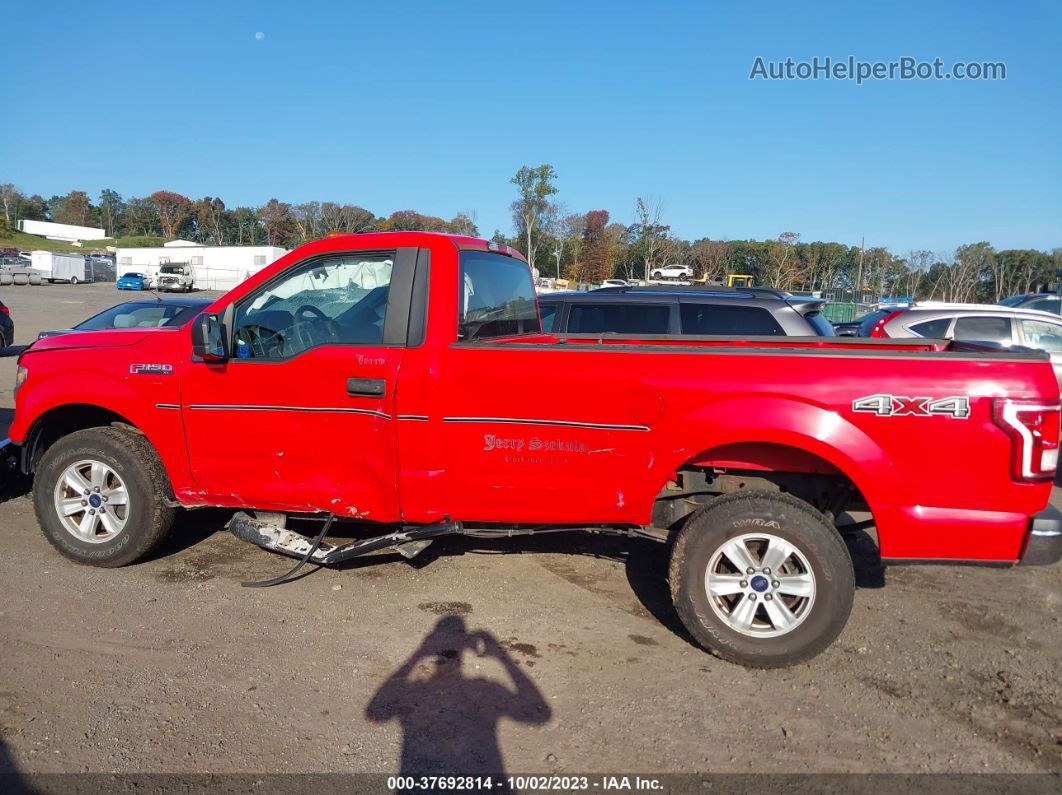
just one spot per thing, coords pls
(287, 542)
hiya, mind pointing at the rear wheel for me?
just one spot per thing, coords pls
(100, 497)
(73, 279)
(761, 580)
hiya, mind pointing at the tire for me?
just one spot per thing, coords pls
(131, 462)
(73, 279)
(658, 275)
(817, 608)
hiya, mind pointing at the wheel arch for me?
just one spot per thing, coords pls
(779, 435)
(62, 420)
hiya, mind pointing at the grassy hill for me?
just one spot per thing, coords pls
(25, 242)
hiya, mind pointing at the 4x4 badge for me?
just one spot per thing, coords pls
(958, 408)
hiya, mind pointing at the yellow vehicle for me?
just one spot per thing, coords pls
(738, 280)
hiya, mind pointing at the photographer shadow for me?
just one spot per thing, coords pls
(449, 719)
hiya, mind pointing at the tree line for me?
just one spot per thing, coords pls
(580, 246)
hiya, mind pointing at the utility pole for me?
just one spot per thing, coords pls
(557, 254)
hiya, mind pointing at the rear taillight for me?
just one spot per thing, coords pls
(4, 310)
(1033, 427)
(879, 328)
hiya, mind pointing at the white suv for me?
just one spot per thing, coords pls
(673, 272)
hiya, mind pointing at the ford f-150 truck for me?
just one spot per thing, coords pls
(401, 381)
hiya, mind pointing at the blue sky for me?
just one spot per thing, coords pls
(433, 106)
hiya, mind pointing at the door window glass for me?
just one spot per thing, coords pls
(332, 301)
(934, 329)
(618, 318)
(1045, 336)
(986, 329)
(732, 321)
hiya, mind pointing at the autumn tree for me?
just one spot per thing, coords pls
(783, 269)
(709, 258)
(346, 218)
(209, 215)
(74, 208)
(173, 210)
(569, 248)
(412, 221)
(464, 223)
(533, 210)
(10, 200)
(306, 218)
(595, 247)
(651, 236)
(111, 208)
(275, 217)
(141, 217)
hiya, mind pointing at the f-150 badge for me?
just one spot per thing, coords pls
(958, 408)
(151, 369)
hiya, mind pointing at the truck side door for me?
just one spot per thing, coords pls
(300, 418)
(532, 433)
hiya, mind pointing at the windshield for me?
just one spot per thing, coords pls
(130, 275)
(140, 315)
(170, 269)
(497, 297)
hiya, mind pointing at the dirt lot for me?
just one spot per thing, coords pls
(171, 666)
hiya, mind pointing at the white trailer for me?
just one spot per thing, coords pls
(54, 266)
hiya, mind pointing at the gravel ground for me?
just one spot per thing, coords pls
(558, 654)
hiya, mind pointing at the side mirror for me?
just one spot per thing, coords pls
(209, 343)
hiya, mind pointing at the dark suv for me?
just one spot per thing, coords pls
(1041, 302)
(732, 312)
(7, 327)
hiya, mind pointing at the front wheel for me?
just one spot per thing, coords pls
(761, 580)
(100, 497)
(657, 275)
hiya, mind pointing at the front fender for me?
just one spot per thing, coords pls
(146, 402)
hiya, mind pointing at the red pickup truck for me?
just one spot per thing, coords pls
(402, 381)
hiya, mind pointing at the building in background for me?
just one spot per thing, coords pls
(213, 267)
(65, 232)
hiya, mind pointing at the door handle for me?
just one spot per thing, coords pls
(366, 387)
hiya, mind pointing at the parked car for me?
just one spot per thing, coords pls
(738, 312)
(138, 314)
(176, 278)
(673, 272)
(1042, 302)
(344, 382)
(1003, 325)
(7, 327)
(134, 281)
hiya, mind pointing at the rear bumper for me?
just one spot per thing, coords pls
(1043, 546)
